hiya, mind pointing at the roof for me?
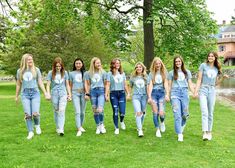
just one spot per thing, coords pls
(229, 28)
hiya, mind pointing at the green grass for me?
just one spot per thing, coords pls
(108, 150)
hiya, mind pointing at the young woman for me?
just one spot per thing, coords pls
(158, 93)
(138, 82)
(57, 81)
(116, 83)
(207, 79)
(27, 80)
(179, 81)
(76, 78)
(95, 80)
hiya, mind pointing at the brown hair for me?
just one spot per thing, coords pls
(112, 63)
(176, 69)
(216, 62)
(62, 71)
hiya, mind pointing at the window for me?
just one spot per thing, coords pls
(221, 48)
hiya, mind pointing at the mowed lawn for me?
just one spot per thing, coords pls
(109, 150)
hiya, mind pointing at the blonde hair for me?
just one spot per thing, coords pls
(144, 73)
(24, 66)
(92, 66)
(153, 69)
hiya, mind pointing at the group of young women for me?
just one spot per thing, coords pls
(155, 88)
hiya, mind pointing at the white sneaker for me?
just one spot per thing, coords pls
(102, 129)
(205, 136)
(158, 133)
(38, 129)
(30, 135)
(79, 133)
(97, 130)
(162, 127)
(116, 132)
(60, 132)
(209, 136)
(180, 137)
(82, 129)
(123, 126)
(140, 133)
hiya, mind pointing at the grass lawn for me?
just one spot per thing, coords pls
(109, 150)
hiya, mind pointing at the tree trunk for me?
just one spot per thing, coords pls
(148, 33)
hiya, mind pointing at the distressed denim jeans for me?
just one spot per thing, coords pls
(30, 98)
(118, 101)
(180, 107)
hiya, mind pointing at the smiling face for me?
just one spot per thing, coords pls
(78, 65)
(29, 61)
(97, 64)
(139, 69)
(211, 58)
(157, 65)
(116, 65)
(178, 63)
(58, 67)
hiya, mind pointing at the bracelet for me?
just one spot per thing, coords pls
(87, 94)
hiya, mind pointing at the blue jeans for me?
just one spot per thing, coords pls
(139, 102)
(59, 101)
(97, 102)
(79, 104)
(180, 107)
(207, 98)
(30, 98)
(158, 96)
(118, 101)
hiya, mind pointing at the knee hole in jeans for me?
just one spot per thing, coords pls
(27, 117)
(36, 114)
(100, 109)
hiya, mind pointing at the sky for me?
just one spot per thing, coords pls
(222, 9)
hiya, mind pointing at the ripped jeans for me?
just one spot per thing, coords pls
(59, 102)
(118, 101)
(30, 98)
(97, 102)
(180, 107)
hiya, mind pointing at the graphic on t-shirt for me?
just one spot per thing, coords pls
(181, 76)
(118, 78)
(211, 73)
(139, 83)
(58, 79)
(96, 78)
(78, 77)
(27, 76)
(158, 79)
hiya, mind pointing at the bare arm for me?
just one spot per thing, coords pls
(107, 86)
(18, 86)
(41, 85)
(198, 84)
(169, 86)
(68, 90)
(87, 89)
(191, 86)
(166, 86)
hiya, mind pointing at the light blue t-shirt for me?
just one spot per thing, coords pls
(209, 74)
(182, 81)
(28, 81)
(96, 80)
(117, 81)
(77, 80)
(59, 83)
(158, 81)
(139, 85)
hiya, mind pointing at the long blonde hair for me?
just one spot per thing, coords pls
(24, 66)
(92, 66)
(144, 73)
(153, 69)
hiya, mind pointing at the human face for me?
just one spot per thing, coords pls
(78, 64)
(117, 64)
(211, 58)
(178, 62)
(58, 67)
(97, 64)
(139, 69)
(29, 61)
(157, 65)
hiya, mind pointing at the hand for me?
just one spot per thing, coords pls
(167, 98)
(87, 98)
(47, 96)
(150, 101)
(17, 99)
(195, 95)
(106, 98)
(69, 98)
(128, 97)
